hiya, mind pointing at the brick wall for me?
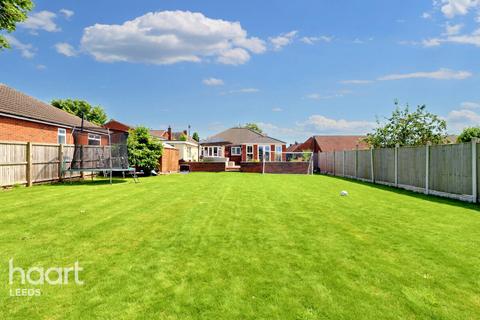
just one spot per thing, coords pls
(26, 131)
(206, 166)
(275, 167)
(251, 167)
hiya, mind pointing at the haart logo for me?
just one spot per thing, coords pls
(40, 276)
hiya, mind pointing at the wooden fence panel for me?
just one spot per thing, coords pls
(339, 163)
(45, 162)
(384, 165)
(412, 166)
(450, 168)
(350, 163)
(13, 163)
(364, 165)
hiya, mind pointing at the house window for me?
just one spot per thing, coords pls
(211, 151)
(249, 153)
(278, 153)
(264, 153)
(94, 139)
(62, 136)
(236, 151)
(189, 152)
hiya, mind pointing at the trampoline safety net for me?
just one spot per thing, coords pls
(110, 157)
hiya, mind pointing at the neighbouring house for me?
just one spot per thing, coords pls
(26, 119)
(331, 143)
(188, 148)
(328, 143)
(168, 162)
(242, 145)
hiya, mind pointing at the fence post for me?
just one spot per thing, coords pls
(263, 163)
(60, 162)
(356, 161)
(427, 167)
(372, 166)
(29, 164)
(474, 169)
(343, 163)
(396, 164)
(334, 162)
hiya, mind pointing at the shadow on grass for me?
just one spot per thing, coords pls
(431, 198)
(86, 182)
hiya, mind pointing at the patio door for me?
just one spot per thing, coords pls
(264, 152)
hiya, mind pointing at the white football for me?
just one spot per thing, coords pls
(344, 193)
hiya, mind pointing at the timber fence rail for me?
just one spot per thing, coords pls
(449, 170)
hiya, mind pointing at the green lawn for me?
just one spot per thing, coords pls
(241, 246)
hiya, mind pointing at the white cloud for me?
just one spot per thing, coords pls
(318, 96)
(243, 90)
(441, 74)
(26, 49)
(457, 120)
(356, 81)
(453, 29)
(434, 42)
(452, 8)
(277, 109)
(322, 124)
(213, 82)
(470, 105)
(282, 40)
(67, 13)
(41, 67)
(170, 37)
(66, 49)
(313, 40)
(42, 20)
(471, 39)
(426, 15)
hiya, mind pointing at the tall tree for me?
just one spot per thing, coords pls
(253, 126)
(144, 150)
(196, 137)
(11, 13)
(468, 134)
(408, 129)
(81, 107)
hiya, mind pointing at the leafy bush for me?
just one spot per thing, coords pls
(468, 134)
(144, 151)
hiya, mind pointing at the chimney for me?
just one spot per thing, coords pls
(169, 132)
(185, 132)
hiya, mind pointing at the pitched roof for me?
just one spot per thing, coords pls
(17, 104)
(160, 134)
(240, 136)
(117, 125)
(293, 147)
(340, 143)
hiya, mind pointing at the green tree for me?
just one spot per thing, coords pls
(408, 129)
(11, 13)
(468, 134)
(196, 137)
(183, 137)
(144, 150)
(253, 126)
(78, 107)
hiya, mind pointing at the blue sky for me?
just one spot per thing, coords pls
(297, 68)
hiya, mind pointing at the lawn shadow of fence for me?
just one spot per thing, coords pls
(409, 193)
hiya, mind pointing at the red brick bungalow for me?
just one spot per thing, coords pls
(26, 119)
(243, 145)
